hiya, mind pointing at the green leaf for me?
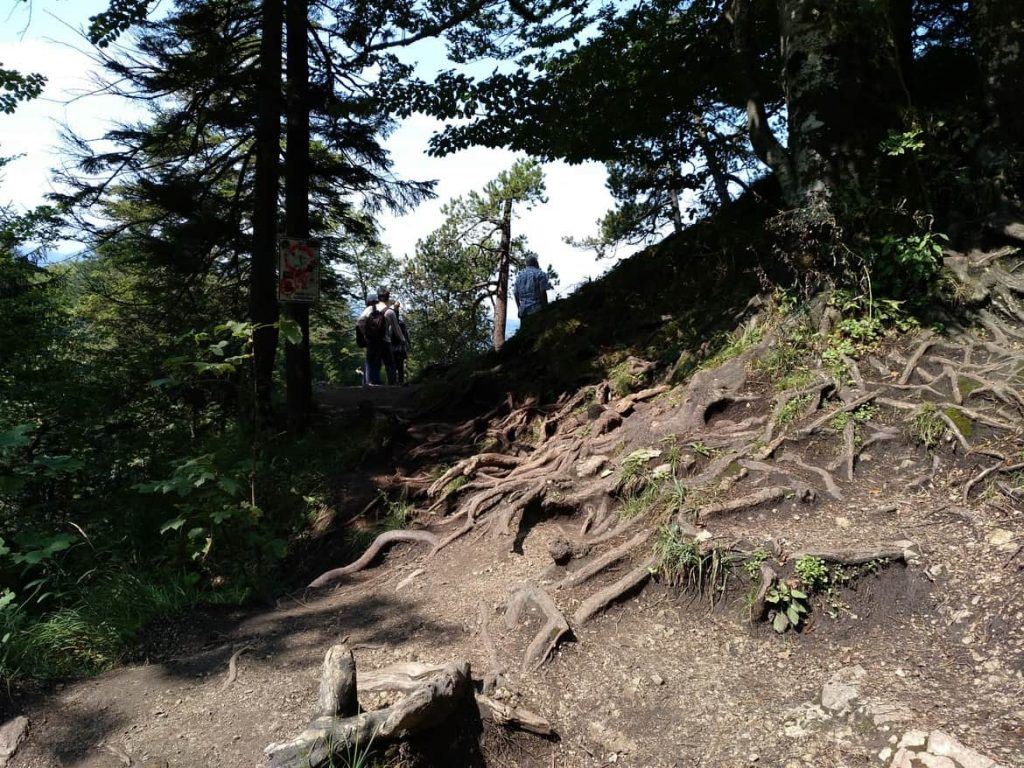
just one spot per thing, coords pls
(16, 437)
(797, 594)
(780, 623)
(290, 330)
(172, 525)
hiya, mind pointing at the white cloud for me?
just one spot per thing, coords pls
(33, 131)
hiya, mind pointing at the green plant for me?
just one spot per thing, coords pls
(733, 345)
(634, 468)
(682, 561)
(812, 572)
(752, 566)
(703, 449)
(789, 604)
(672, 452)
(926, 426)
(792, 408)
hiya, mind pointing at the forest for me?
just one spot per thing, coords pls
(824, 316)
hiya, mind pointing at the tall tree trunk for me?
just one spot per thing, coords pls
(999, 46)
(765, 143)
(298, 377)
(842, 89)
(501, 292)
(677, 216)
(263, 310)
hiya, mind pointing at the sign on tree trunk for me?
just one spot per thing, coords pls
(298, 271)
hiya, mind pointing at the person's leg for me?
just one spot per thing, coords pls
(400, 367)
(389, 364)
(373, 360)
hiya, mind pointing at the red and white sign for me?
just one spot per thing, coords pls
(298, 271)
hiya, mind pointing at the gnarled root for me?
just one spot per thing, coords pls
(555, 625)
(426, 706)
(764, 496)
(597, 602)
(385, 539)
(759, 606)
(598, 564)
(1001, 467)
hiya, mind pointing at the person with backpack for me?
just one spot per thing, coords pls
(378, 325)
(400, 349)
(531, 289)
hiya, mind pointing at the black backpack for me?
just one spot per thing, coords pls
(376, 330)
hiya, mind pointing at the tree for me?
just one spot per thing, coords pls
(476, 237)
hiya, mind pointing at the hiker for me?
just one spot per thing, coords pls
(400, 348)
(379, 325)
(532, 288)
(371, 299)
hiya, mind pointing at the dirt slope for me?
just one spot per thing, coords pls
(912, 653)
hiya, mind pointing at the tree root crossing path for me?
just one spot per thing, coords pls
(599, 579)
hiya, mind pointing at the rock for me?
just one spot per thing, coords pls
(840, 691)
(883, 714)
(944, 745)
(590, 467)
(999, 537)
(12, 733)
(662, 470)
(610, 739)
(931, 761)
(657, 679)
(885, 754)
(560, 550)
(843, 522)
(913, 739)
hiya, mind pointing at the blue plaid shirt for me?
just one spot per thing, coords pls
(531, 288)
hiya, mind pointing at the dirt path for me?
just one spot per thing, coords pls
(659, 681)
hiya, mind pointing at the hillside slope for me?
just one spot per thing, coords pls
(620, 520)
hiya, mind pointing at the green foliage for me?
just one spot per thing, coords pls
(926, 426)
(733, 345)
(789, 605)
(792, 408)
(901, 142)
(812, 572)
(681, 561)
(752, 566)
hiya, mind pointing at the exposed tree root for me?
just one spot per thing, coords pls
(598, 564)
(818, 423)
(495, 677)
(1001, 467)
(831, 487)
(755, 499)
(759, 605)
(233, 665)
(600, 600)
(426, 706)
(555, 626)
(337, 697)
(915, 359)
(383, 540)
(409, 676)
(892, 553)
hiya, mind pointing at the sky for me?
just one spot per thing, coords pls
(47, 40)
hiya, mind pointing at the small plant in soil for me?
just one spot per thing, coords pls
(790, 606)
(703, 449)
(753, 564)
(671, 451)
(634, 469)
(927, 426)
(682, 563)
(793, 408)
(812, 572)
